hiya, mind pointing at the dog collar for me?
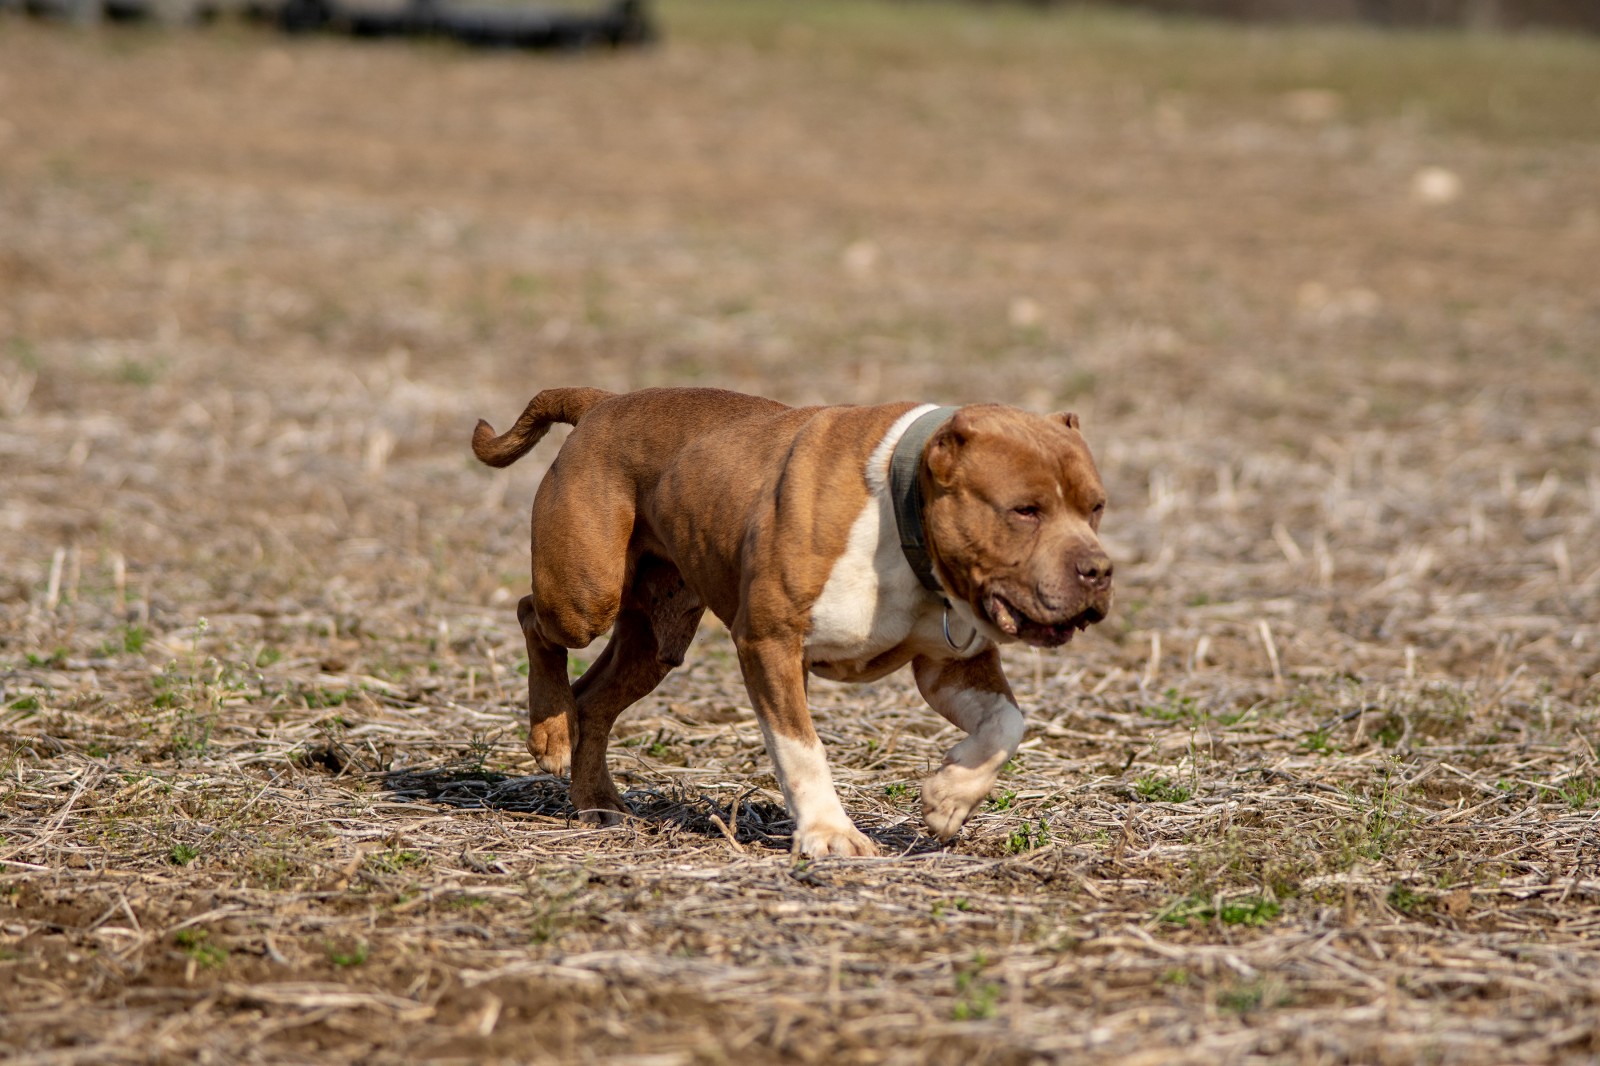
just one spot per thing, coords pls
(905, 488)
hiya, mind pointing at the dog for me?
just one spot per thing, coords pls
(846, 541)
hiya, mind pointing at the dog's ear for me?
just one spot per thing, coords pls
(1068, 419)
(946, 445)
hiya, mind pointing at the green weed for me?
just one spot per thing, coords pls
(1239, 910)
(396, 861)
(196, 943)
(1579, 792)
(1247, 997)
(1028, 836)
(976, 999)
(1004, 801)
(1405, 900)
(1154, 788)
(1175, 708)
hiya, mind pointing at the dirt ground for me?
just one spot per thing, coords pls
(1323, 788)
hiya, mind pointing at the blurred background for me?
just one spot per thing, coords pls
(1324, 294)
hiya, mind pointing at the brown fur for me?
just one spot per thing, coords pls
(665, 502)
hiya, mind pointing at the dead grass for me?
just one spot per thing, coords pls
(1323, 788)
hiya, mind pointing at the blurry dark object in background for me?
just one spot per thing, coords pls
(506, 25)
(624, 22)
(1471, 14)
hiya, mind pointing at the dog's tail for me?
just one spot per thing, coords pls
(545, 409)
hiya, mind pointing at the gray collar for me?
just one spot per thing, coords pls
(905, 489)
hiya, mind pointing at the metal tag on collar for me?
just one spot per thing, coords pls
(972, 641)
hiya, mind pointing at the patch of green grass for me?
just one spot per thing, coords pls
(1154, 788)
(192, 736)
(318, 698)
(347, 958)
(465, 902)
(1247, 997)
(1405, 900)
(135, 372)
(1028, 836)
(271, 869)
(1175, 708)
(25, 703)
(397, 860)
(899, 790)
(960, 903)
(196, 943)
(129, 639)
(182, 854)
(976, 999)
(1580, 792)
(1250, 910)
(1317, 741)
(1004, 801)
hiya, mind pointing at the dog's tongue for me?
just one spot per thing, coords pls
(1000, 611)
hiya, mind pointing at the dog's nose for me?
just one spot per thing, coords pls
(1094, 570)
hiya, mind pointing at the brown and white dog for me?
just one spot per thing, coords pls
(845, 541)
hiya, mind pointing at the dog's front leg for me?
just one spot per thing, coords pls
(774, 674)
(972, 694)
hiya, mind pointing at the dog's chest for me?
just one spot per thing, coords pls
(872, 602)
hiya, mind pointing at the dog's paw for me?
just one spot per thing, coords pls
(815, 841)
(950, 796)
(603, 817)
(602, 807)
(550, 742)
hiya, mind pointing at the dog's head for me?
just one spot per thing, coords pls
(1012, 512)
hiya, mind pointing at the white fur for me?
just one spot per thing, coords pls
(872, 601)
(821, 825)
(995, 727)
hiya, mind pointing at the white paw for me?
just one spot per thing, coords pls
(818, 840)
(950, 796)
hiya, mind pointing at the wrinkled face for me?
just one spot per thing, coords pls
(1013, 506)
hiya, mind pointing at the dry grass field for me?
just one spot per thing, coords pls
(1323, 789)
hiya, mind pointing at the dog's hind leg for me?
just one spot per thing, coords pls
(580, 567)
(552, 710)
(651, 635)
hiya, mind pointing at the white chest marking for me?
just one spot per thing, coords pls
(872, 601)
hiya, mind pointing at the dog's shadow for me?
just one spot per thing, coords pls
(756, 824)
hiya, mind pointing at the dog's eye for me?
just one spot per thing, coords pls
(1028, 512)
(1100, 508)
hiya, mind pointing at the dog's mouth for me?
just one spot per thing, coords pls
(1011, 620)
